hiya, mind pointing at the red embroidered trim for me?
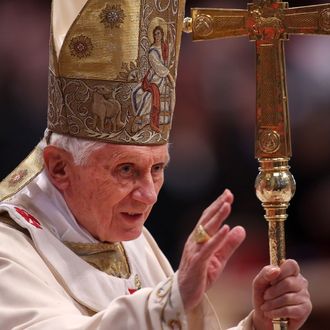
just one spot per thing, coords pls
(29, 218)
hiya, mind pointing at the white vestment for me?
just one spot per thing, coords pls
(45, 286)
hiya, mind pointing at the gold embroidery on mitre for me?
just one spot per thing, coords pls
(106, 257)
(114, 76)
(112, 16)
(81, 46)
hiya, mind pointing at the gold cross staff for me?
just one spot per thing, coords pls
(268, 23)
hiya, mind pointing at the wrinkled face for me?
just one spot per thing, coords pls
(113, 193)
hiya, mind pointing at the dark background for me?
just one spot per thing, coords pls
(212, 143)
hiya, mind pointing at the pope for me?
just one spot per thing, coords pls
(74, 251)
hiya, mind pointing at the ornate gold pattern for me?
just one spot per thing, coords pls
(18, 177)
(81, 46)
(265, 27)
(129, 72)
(269, 141)
(112, 16)
(229, 22)
(24, 173)
(99, 110)
(107, 257)
(225, 23)
(203, 25)
(301, 20)
(122, 87)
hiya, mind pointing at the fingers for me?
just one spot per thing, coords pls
(273, 275)
(223, 244)
(294, 312)
(262, 282)
(289, 288)
(217, 207)
(288, 280)
(217, 219)
(223, 241)
(284, 302)
(282, 292)
(293, 306)
(231, 243)
(288, 284)
(289, 267)
(216, 213)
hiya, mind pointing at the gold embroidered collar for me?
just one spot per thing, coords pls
(107, 257)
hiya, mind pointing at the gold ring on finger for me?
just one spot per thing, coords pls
(200, 235)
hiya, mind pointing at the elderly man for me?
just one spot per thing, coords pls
(74, 252)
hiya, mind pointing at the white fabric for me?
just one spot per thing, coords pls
(64, 12)
(44, 285)
(32, 297)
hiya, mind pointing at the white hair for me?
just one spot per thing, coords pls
(80, 149)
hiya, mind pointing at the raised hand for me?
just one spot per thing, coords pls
(202, 263)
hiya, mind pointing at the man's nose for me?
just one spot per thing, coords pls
(145, 191)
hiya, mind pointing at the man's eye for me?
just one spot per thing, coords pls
(158, 168)
(126, 170)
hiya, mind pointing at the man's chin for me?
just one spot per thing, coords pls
(131, 235)
(128, 235)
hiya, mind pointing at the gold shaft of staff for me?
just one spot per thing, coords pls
(275, 186)
(276, 236)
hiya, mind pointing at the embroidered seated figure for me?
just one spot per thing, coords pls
(153, 99)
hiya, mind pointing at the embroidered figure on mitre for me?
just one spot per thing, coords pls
(153, 98)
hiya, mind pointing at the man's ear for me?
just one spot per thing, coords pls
(58, 163)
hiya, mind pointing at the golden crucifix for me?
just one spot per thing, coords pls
(268, 23)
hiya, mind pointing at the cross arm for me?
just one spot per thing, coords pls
(313, 19)
(213, 23)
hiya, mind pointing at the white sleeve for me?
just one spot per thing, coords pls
(155, 62)
(32, 298)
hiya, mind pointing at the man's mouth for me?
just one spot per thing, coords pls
(132, 216)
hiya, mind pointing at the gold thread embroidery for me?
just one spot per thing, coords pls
(112, 16)
(81, 46)
(106, 257)
(17, 177)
